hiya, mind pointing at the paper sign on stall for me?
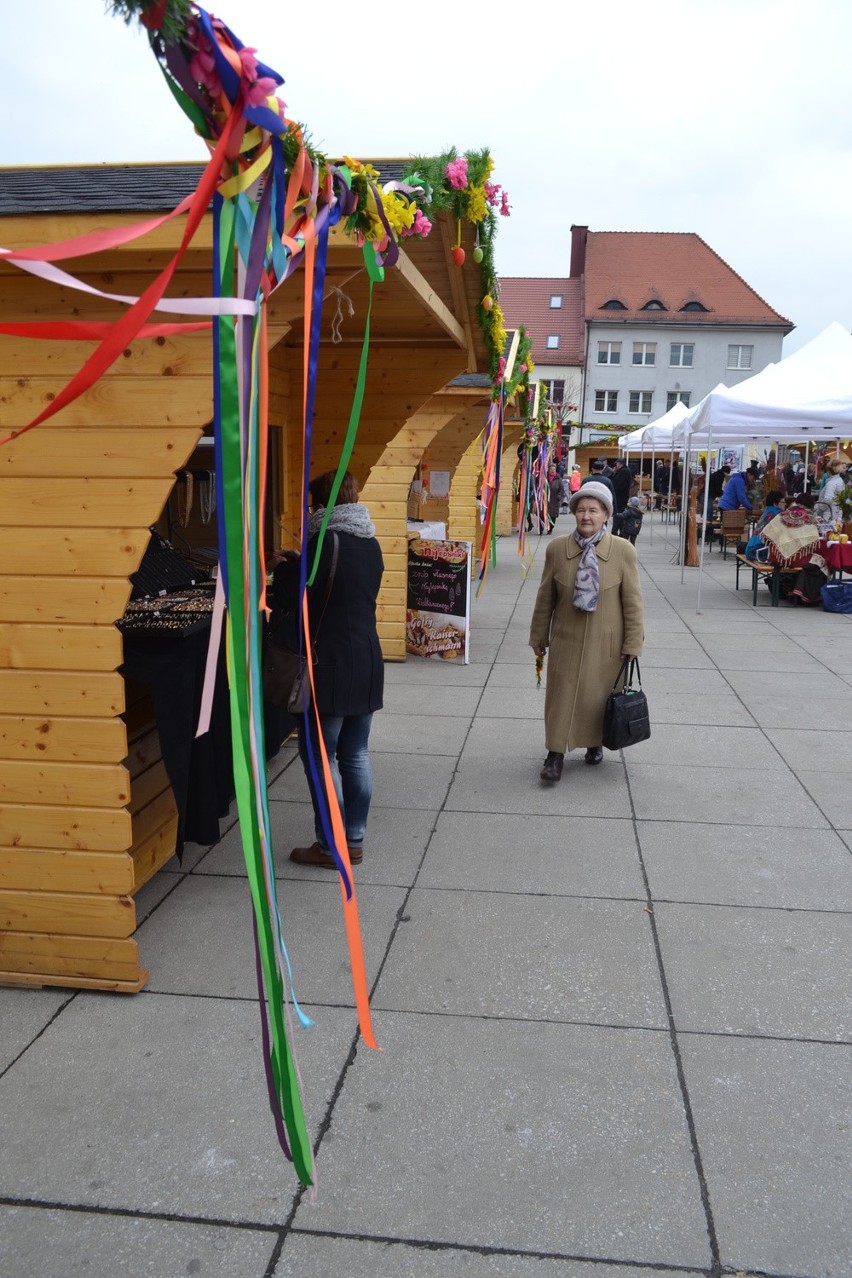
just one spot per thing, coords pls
(438, 615)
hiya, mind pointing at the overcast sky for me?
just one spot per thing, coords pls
(729, 118)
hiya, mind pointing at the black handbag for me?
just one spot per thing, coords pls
(286, 679)
(626, 719)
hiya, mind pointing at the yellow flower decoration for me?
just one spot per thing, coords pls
(399, 212)
(476, 205)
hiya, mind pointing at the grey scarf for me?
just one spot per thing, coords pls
(351, 517)
(587, 583)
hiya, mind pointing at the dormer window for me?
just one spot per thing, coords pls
(693, 306)
(613, 305)
(653, 305)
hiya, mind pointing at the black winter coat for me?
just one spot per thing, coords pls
(349, 672)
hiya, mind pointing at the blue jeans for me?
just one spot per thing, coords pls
(346, 740)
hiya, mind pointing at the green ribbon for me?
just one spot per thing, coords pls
(376, 274)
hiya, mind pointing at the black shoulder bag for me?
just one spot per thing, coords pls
(286, 681)
(626, 719)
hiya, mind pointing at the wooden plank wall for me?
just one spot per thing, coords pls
(86, 813)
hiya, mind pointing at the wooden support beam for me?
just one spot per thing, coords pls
(421, 288)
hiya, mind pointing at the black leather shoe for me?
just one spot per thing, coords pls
(552, 769)
(594, 754)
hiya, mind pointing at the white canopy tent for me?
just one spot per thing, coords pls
(806, 396)
(655, 437)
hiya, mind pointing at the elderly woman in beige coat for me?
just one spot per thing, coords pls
(588, 611)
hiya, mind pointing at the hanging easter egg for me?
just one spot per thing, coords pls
(478, 255)
(458, 255)
(487, 302)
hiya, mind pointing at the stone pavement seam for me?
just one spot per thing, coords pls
(704, 1189)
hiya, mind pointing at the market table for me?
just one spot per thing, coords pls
(837, 554)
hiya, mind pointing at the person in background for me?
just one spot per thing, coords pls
(554, 500)
(718, 479)
(661, 484)
(775, 503)
(631, 521)
(576, 479)
(735, 496)
(349, 669)
(836, 468)
(622, 480)
(597, 476)
(589, 612)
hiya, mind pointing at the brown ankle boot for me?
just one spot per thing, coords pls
(552, 769)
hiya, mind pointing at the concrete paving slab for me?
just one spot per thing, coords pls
(746, 865)
(830, 749)
(736, 970)
(319, 1256)
(410, 733)
(800, 710)
(679, 745)
(527, 957)
(830, 790)
(399, 780)
(524, 702)
(688, 658)
(570, 1135)
(700, 685)
(416, 673)
(66, 1244)
(581, 857)
(498, 785)
(393, 852)
(713, 795)
(724, 710)
(820, 684)
(162, 1108)
(149, 897)
(773, 1127)
(446, 700)
(506, 738)
(176, 939)
(24, 1014)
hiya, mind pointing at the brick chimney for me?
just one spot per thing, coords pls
(579, 235)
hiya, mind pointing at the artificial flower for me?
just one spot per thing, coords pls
(457, 173)
(398, 210)
(477, 209)
(420, 226)
(505, 207)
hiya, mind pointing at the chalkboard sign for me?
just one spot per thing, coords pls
(438, 614)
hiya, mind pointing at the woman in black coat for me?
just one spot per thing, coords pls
(348, 666)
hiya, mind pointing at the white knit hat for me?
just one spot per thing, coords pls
(591, 489)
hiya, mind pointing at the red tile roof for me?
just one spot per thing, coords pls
(526, 300)
(635, 267)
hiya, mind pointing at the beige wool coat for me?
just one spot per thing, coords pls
(584, 648)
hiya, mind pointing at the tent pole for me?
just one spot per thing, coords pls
(704, 523)
(671, 468)
(807, 463)
(683, 479)
(651, 494)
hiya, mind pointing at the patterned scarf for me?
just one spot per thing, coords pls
(587, 583)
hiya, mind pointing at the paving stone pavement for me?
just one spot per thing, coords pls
(614, 1013)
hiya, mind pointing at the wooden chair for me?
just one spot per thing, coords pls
(733, 529)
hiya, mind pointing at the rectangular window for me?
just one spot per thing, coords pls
(606, 401)
(640, 401)
(556, 301)
(644, 352)
(609, 352)
(681, 354)
(677, 397)
(555, 389)
(740, 356)
(552, 341)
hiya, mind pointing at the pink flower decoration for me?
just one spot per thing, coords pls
(505, 207)
(457, 173)
(420, 226)
(523, 368)
(492, 193)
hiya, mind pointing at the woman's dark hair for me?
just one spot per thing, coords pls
(773, 498)
(808, 500)
(321, 485)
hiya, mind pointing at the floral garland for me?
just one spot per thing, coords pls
(461, 186)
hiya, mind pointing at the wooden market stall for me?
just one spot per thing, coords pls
(87, 813)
